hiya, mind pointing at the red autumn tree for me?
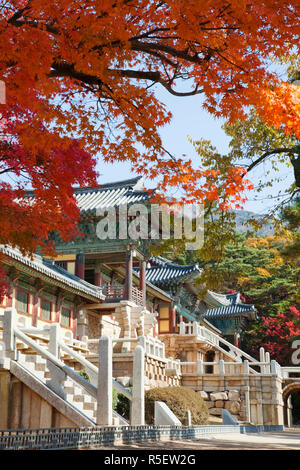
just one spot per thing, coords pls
(89, 70)
(278, 333)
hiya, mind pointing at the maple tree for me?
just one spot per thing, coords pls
(88, 70)
(276, 334)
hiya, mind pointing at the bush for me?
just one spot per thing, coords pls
(84, 375)
(179, 400)
(114, 399)
(121, 404)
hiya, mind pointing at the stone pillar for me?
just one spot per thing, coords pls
(104, 391)
(199, 367)
(9, 324)
(128, 278)
(58, 376)
(188, 418)
(262, 358)
(289, 409)
(82, 322)
(247, 404)
(138, 401)
(80, 265)
(54, 338)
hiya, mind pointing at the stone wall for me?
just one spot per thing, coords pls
(22, 408)
(260, 395)
(156, 374)
(231, 400)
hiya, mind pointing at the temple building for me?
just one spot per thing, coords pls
(124, 268)
(111, 286)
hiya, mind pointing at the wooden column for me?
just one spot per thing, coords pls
(80, 262)
(128, 278)
(173, 319)
(143, 280)
(98, 276)
(236, 340)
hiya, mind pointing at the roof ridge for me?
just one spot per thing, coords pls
(131, 183)
(165, 262)
(135, 184)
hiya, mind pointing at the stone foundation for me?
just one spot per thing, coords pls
(231, 400)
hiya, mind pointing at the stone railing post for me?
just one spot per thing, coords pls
(138, 401)
(268, 359)
(247, 404)
(221, 367)
(274, 367)
(246, 367)
(262, 358)
(104, 390)
(9, 324)
(58, 376)
(181, 328)
(82, 323)
(54, 339)
(142, 342)
(199, 367)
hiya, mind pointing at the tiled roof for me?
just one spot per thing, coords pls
(229, 311)
(164, 271)
(214, 300)
(225, 306)
(109, 195)
(54, 272)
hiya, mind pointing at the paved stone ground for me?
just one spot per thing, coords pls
(289, 439)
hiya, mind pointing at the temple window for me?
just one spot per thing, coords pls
(46, 310)
(66, 315)
(164, 319)
(22, 301)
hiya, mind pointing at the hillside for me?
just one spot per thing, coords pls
(241, 223)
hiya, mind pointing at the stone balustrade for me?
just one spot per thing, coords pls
(102, 381)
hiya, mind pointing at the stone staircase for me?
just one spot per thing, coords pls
(75, 395)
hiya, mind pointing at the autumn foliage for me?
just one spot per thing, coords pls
(81, 78)
(278, 333)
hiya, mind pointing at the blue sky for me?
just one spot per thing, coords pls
(189, 119)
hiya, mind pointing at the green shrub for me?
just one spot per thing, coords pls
(123, 405)
(84, 375)
(114, 399)
(179, 400)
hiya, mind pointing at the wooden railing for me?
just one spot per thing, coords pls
(137, 296)
(115, 293)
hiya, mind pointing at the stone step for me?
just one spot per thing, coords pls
(89, 406)
(75, 395)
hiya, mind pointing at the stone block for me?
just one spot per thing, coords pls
(125, 381)
(215, 411)
(233, 406)
(203, 395)
(219, 396)
(219, 404)
(233, 395)
(210, 404)
(164, 416)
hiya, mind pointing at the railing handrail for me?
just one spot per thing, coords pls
(199, 329)
(50, 357)
(90, 388)
(91, 367)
